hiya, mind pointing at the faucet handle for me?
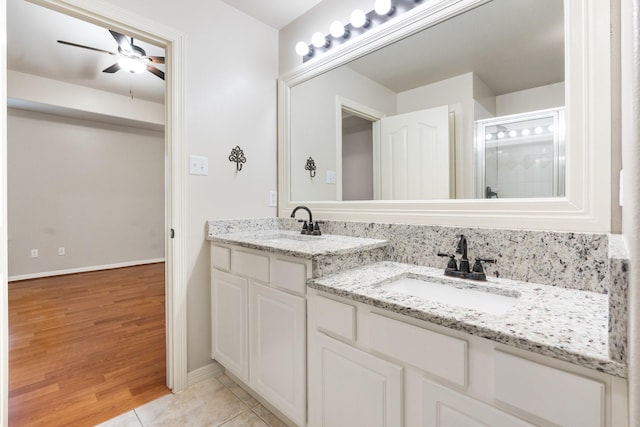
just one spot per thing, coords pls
(452, 260)
(477, 266)
(316, 228)
(305, 227)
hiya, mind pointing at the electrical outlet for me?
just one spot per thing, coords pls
(34, 253)
(273, 198)
(61, 251)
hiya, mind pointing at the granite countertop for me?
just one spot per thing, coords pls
(565, 324)
(293, 243)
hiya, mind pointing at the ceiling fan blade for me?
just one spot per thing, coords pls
(155, 71)
(86, 47)
(121, 39)
(112, 69)
(156, 59)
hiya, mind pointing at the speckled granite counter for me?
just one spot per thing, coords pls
(566, 324)
(328, 253)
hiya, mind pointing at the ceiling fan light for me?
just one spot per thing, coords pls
(131, 65)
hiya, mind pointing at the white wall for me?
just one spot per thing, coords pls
(230, 99)
(95, 189)
(537, 98)
(313, 125)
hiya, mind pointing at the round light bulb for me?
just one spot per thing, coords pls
(131, 65)
(488, 137)
(526, 132)
(302, 49)
(383, 7)
(538, 130)
(551, 128)
(513, 133)
(501, 135)
(337, 30)
(358, 18)
(318, 40)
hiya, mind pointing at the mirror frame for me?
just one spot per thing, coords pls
(587, 204)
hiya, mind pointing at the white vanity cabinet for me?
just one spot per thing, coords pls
(356, 388)
(446, 377)
(258, 323)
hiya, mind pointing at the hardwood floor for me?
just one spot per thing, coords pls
(86, 347)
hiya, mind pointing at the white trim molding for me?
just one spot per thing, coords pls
(83, 269)
(211, 370)
(586, 206)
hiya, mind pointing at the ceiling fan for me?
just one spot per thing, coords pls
(131, 58)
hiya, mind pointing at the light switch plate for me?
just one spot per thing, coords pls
(331, 177)
(198, 165)
(273, 198)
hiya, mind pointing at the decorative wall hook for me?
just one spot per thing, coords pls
(311, 167)
(237, 155)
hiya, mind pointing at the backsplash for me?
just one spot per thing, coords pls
(569, 260)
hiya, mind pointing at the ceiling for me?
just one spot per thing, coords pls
(510, 45)
(33, 31)
(276, 13)
(32, 47)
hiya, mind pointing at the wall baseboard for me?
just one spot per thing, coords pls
(213, 369)
(83, 269)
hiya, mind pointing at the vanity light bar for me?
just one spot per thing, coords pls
(361, 22)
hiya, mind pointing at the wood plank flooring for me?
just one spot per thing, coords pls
(86, 347)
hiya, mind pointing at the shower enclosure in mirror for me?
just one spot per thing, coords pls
(521, 155)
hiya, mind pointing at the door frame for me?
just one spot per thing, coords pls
(363, 112)
(122, 20)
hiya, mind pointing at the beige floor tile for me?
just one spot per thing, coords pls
(208, 403)
(268, 417)
(238, 391)
(152, 410)
(128, 419)
(246, 419)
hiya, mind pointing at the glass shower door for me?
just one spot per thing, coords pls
(521, 156)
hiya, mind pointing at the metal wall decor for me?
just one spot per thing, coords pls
(237, 155)
(311, 167)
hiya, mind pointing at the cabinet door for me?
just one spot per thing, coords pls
(277, 340)
(446, 408)
(356, 388)
(229, 340)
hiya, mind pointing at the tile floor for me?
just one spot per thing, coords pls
(212, 402)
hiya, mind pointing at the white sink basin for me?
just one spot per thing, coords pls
(476, 297)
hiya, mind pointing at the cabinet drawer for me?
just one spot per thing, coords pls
(291, 276)
(336, 317)
(220, 257)
(558, 396)
(251, 265)
(434, 353)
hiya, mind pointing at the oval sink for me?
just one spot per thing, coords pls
(476, 296)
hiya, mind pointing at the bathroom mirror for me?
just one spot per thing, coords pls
(455, 63)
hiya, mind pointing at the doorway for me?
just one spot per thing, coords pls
(141, 28)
